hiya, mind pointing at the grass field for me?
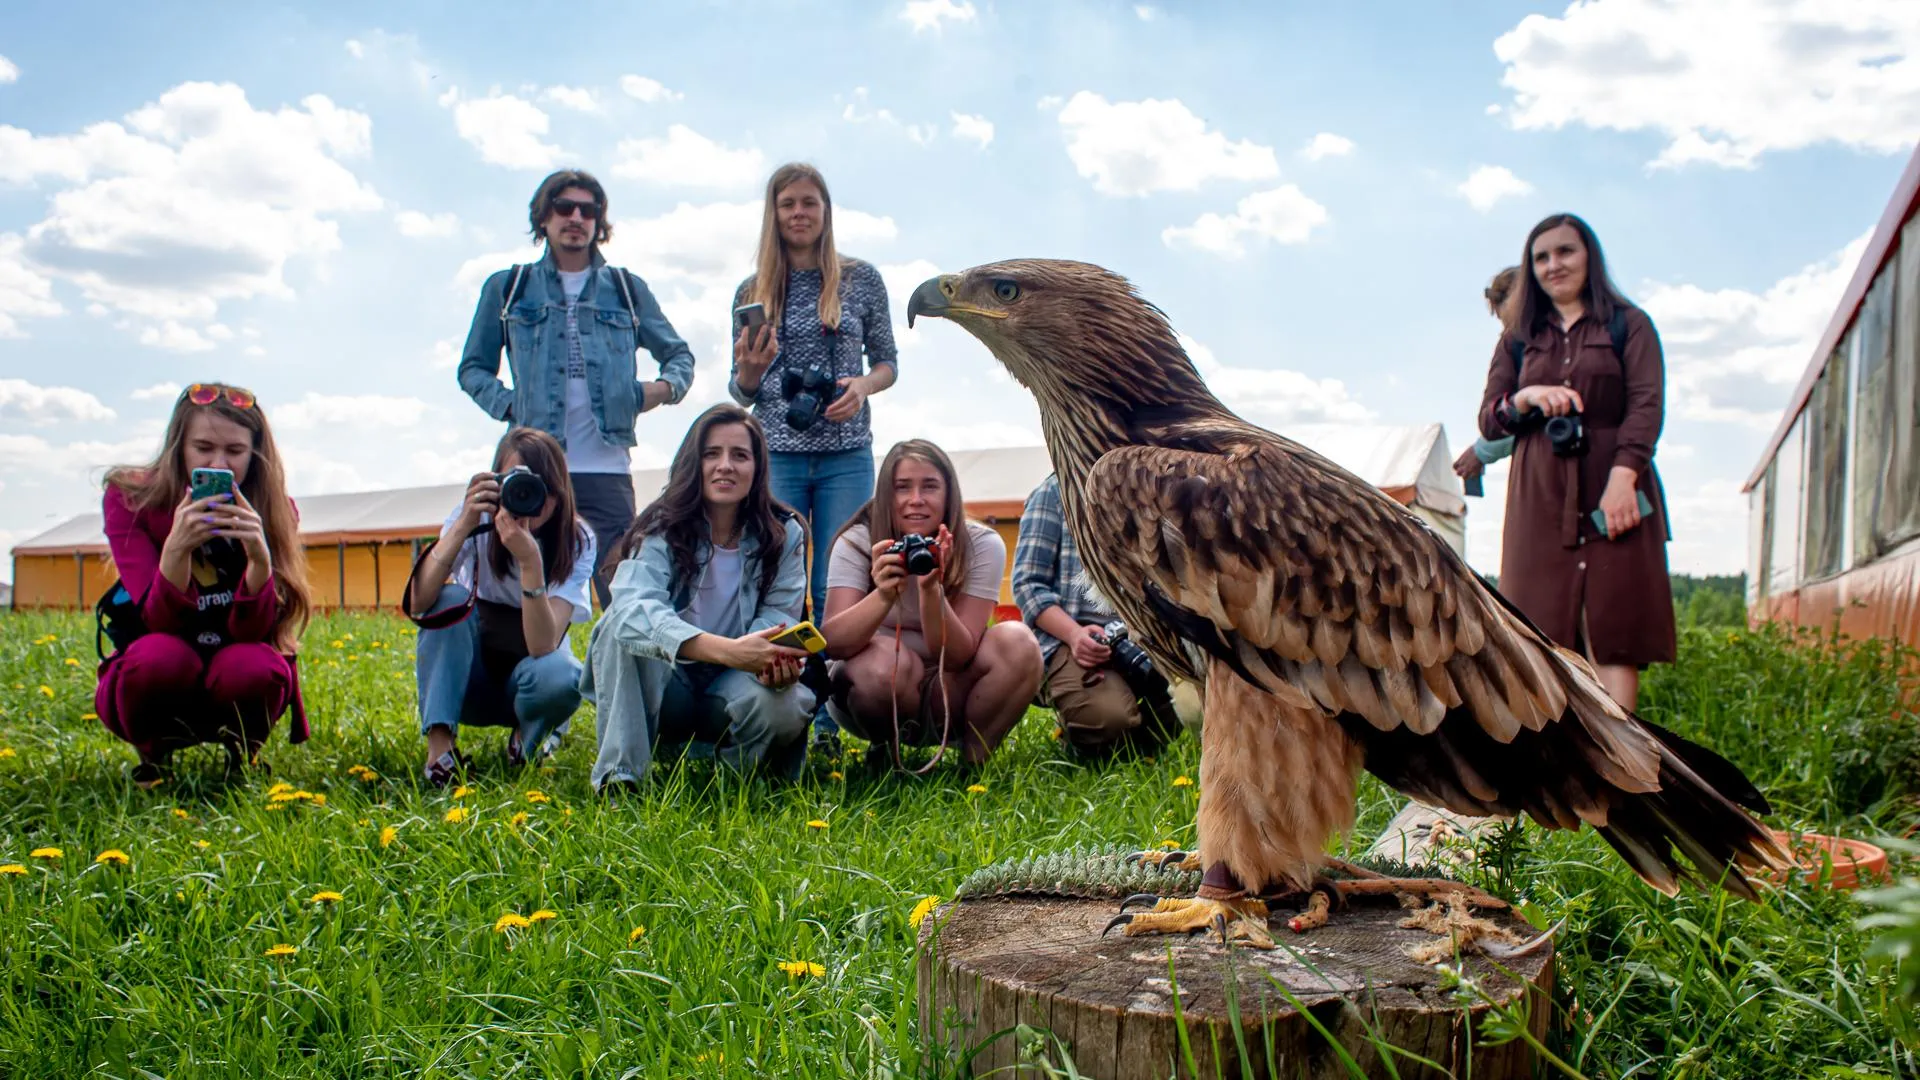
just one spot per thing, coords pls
(524, 928)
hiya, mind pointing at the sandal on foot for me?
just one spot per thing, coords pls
(148, 775)
(445, 769)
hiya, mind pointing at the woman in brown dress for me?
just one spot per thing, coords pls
(1587, 353)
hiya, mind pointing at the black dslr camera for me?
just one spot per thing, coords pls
(808, 394)
(522, 492)
(918, 551)
(1142, 677)
(1567, 435)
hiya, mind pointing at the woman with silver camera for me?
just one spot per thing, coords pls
(1578, 379)
(517, 558)
(802, 324)
(909, 562)
(690, 653)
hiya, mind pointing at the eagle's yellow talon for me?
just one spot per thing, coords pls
(1243, 920)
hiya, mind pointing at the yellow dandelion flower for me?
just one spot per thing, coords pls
(835, 775)
(353, 656)
(89, 716)
(46, 853)
(1054, 734)
(816, 823)
(976, 789)
(637, 933)
(325, 896)
(276, 806)
(6, 752)
(13, 868)
(1183, 781)
(567, 811)
(388, 835)
(798, 968)
(71, 662)
(510, 921)
(182, 814)
(1170, 845)
(716, 1057)
(282, 951)
(364, 822)
(318, 800)
(202, 844)
(542, 916)
(288, 796)
(47, 690)
(113, 856)
(349, 637)
(462, 791)
(921, 910)
(518, 819)
(337, 643)
(361, 772)
(537, 797)
(278, 788)
(457, 815)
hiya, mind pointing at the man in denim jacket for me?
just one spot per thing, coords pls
(571, 326)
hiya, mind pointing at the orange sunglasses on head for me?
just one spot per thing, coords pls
(208, 393)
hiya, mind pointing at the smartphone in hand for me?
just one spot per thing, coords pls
(751, 318)
(1600, 518)
(801, 635)
(203, 483)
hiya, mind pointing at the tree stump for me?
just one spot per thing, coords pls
(987, 965)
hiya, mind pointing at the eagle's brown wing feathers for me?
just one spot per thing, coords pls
(1312, 584)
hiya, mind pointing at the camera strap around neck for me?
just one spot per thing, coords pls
(453, 616)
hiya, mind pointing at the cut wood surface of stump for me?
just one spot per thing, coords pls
(990, 964)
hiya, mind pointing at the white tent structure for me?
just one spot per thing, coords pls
(361, 545)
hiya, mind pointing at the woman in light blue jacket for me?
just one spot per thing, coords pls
(711, 572)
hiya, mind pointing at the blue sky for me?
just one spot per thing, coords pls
(305, 200)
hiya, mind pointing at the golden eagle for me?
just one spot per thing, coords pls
(1332, 628)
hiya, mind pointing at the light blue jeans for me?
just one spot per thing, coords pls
(455, 688)
(704, 711)
(825, 489)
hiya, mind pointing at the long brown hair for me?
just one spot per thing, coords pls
(877, 514)
(679, 515)
(1529, 307)
(770, 264)
(159, 486)
(560, 539)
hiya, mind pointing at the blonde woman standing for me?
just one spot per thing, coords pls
(825, 347)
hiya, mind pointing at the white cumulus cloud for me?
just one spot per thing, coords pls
(1282, 215)
(367, 411)
(1725, 81)
(355, 49)
(416, 224)
(1325, 145)
(572, 97)
(1139, 147)
(507, 130)
(859, 110)
(1486, 185)
(687, 158)
(935, 14)
(9, 71)
(24, 291)
(978, 129)
(160, 391)
(43, 405)
(1276, 398)
(647, 90)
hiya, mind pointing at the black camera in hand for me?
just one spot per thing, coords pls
(522, 493)
(808, 393)
(918, 553)
(1567, 435)
(1130, 660)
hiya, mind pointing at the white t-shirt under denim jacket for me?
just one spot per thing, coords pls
(492, 587)
(651, 614)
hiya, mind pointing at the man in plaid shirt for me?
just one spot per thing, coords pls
(1097, 711)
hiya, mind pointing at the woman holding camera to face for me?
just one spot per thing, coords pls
(910, 589)
(522, 560)
(213, 581)
(713, 571)
(803, 321)
(1584, 547)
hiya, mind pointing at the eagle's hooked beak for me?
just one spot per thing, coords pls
(933, 298)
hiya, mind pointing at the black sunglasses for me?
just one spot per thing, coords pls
(565, 208)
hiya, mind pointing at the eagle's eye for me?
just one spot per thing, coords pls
(1006, 291)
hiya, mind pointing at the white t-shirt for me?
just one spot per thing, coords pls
(501, 590)
(587, 451)
(715, 604)
(851, 567)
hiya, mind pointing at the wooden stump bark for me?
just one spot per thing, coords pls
(988, 965)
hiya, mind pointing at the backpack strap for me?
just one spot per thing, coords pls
(626, 294)
(513, 293)
(1518, 350)
(1617, 334)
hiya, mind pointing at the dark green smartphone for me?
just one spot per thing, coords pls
(1600, 519)
(205, 482)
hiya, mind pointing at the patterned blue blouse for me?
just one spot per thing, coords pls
(866, 326)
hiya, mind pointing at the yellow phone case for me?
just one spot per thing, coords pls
(801, 635)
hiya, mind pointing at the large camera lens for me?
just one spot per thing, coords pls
(918, 552)
(1566, 435)
(522, 493)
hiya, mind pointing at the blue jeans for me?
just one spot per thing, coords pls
(825, 489)
(455, 687)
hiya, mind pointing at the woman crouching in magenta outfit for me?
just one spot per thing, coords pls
(219, 583)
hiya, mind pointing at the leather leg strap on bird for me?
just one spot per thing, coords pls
(946, 712)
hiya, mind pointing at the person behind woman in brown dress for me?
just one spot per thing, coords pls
(1584, 547)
